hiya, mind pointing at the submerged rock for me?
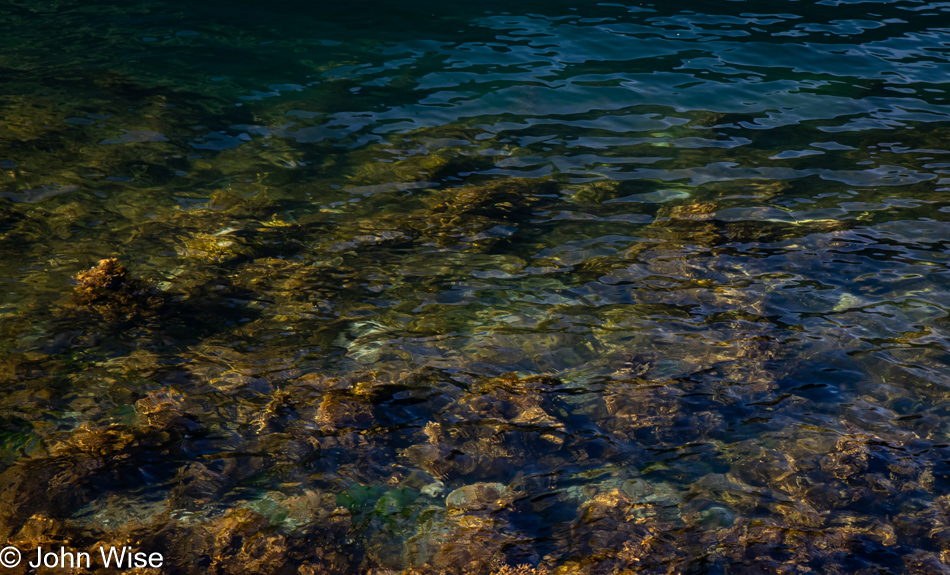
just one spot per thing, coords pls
(479, 496)
(848, 458)
(699, 211)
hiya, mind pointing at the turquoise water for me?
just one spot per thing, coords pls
(426, 287)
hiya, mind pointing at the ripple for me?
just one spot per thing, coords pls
(644, 288)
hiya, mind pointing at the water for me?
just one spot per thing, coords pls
(432, 287)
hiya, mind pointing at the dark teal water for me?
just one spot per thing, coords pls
(436, 287)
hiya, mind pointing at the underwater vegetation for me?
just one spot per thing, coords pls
(657, 455)
(516, 289)
(304, 479)
(107, 290)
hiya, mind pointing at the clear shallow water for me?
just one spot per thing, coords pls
(597, 289)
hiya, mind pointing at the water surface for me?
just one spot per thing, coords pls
(434, 287)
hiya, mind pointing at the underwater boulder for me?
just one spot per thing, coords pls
(479, 497)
